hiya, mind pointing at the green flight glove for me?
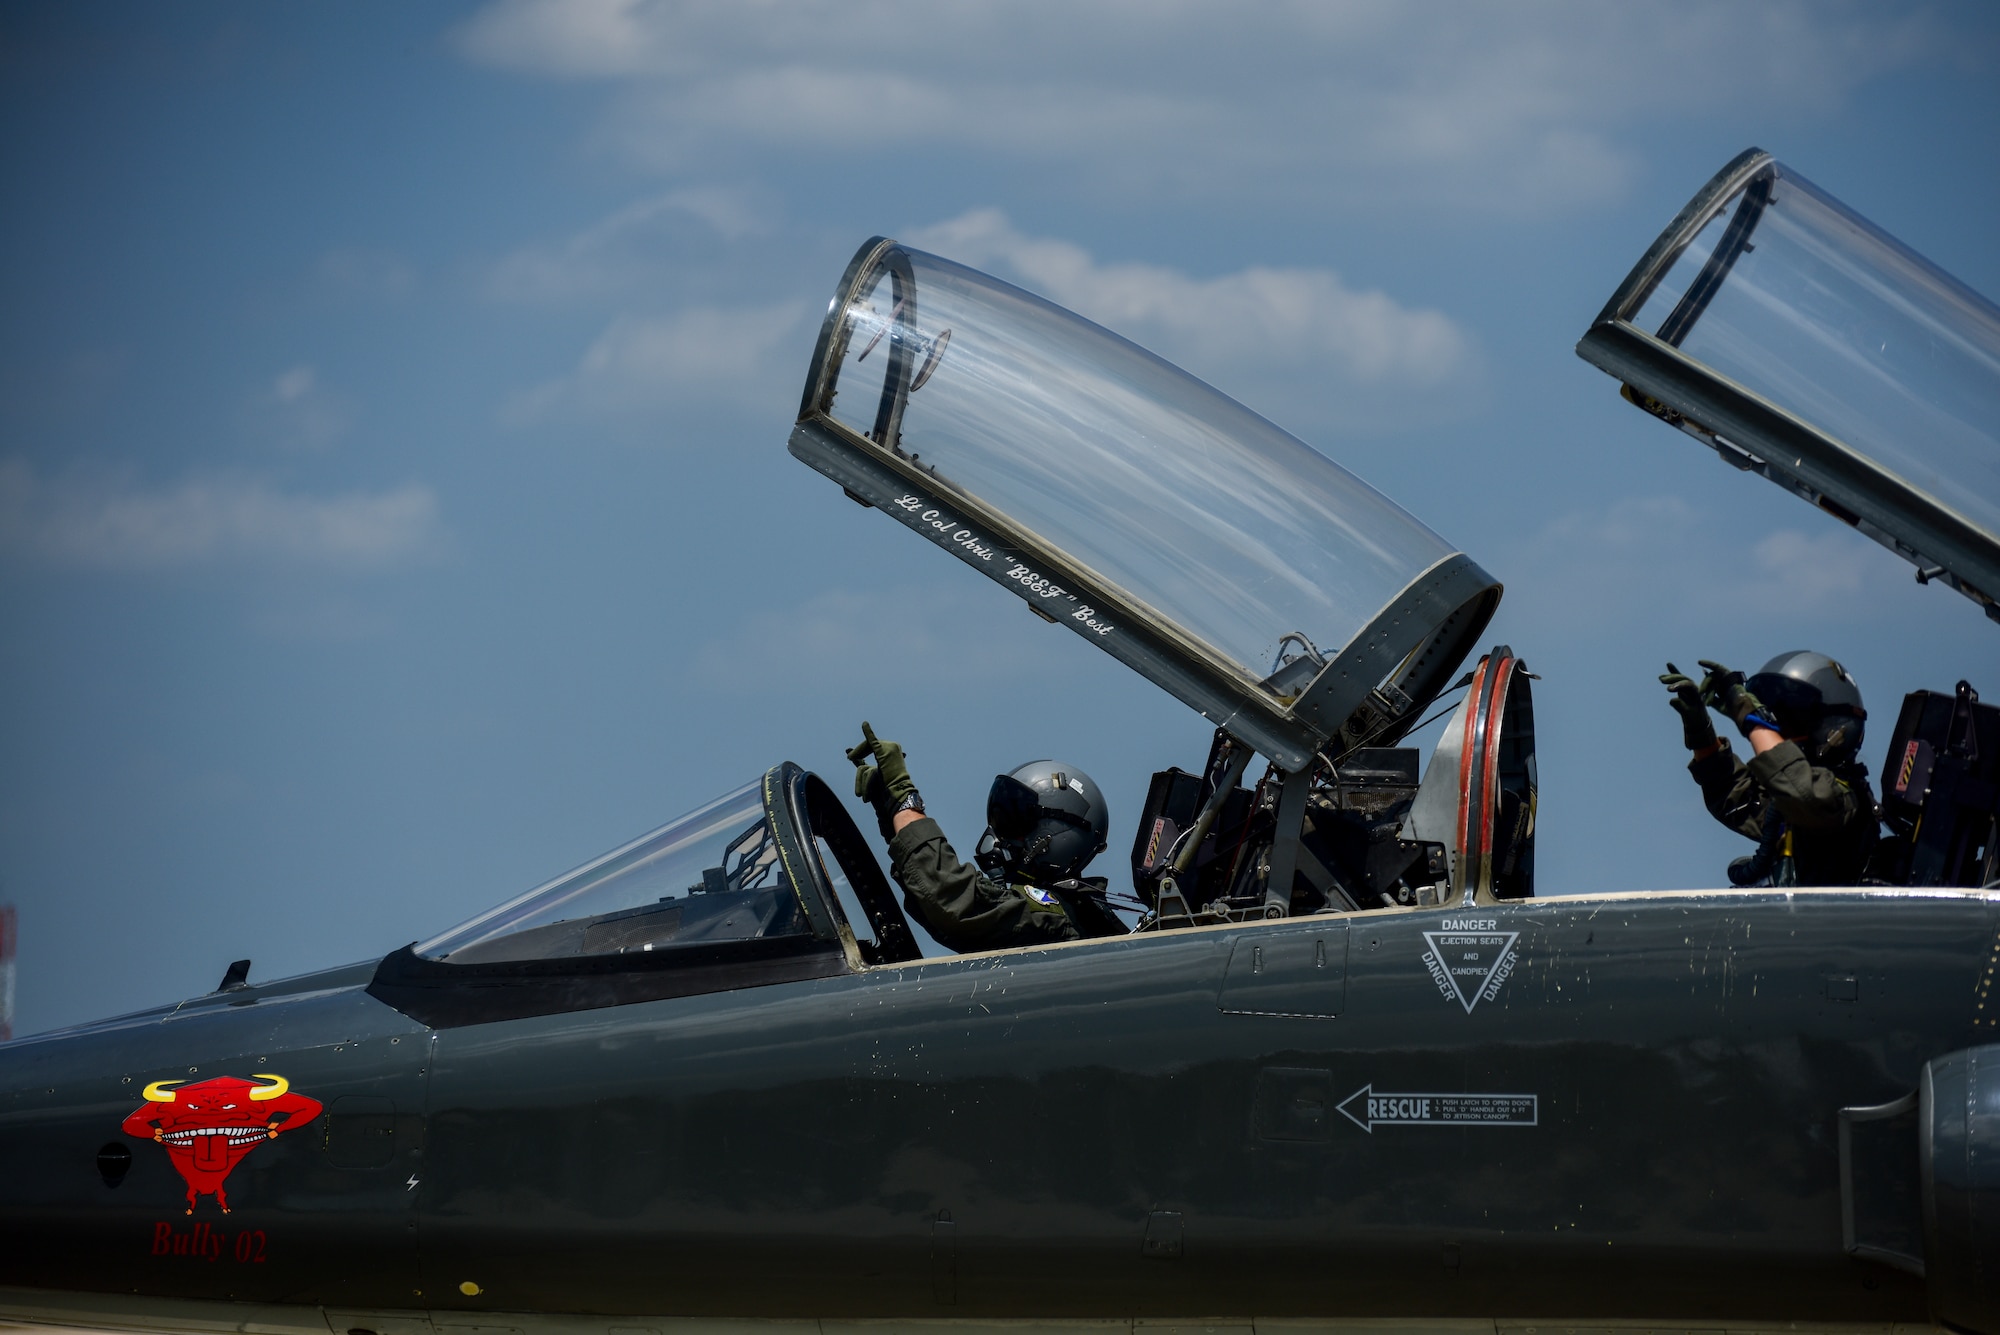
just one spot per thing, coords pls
(1697, 729)
(1725, 692)
(885, 785)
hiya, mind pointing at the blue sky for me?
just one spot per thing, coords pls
(394, 508)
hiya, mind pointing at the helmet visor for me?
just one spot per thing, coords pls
(1797, 704)
(1012, 807)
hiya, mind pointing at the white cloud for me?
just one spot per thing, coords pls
(370, 274)
(642, 362)
(1636, 524)
(1272, 319)
(294, 384)
(848, 635)
(1645, 558)
(117, 524)
(296, 412)
(1820, 570)
(1364, 105)
(1280, 338)
(633, 245)
(322, 617)
(589, 38)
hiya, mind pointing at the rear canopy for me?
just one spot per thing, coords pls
(1802, 342)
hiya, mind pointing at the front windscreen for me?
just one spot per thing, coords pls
(711, 876)
(1199, 511)
(1796, 298)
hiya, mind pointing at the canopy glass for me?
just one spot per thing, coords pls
(1123, 489)
(713, 875)
(1804, 343)
(1840, 324)
(1179, 495)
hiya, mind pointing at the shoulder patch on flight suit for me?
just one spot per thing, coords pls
(1041, 896)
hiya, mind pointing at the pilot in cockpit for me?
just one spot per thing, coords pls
(1804, 795)
(1045, 822)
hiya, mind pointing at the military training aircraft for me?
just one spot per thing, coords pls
(1348, 1067)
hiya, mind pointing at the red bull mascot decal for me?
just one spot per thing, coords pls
(207, 1128)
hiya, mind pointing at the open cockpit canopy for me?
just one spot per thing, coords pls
(1802, 342)
(1225, 560)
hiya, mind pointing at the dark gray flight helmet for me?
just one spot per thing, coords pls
(1813, 696)
(1048, 818)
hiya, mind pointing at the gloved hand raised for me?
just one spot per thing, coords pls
(885, 785)
(1697, 731)
(1725, 692)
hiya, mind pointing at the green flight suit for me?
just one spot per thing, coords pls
(1830, 812)
(964, 909)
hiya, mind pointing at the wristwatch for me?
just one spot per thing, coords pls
(914, 802)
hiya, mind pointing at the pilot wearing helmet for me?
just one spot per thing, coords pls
(1802, 796)
(1045, 822)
